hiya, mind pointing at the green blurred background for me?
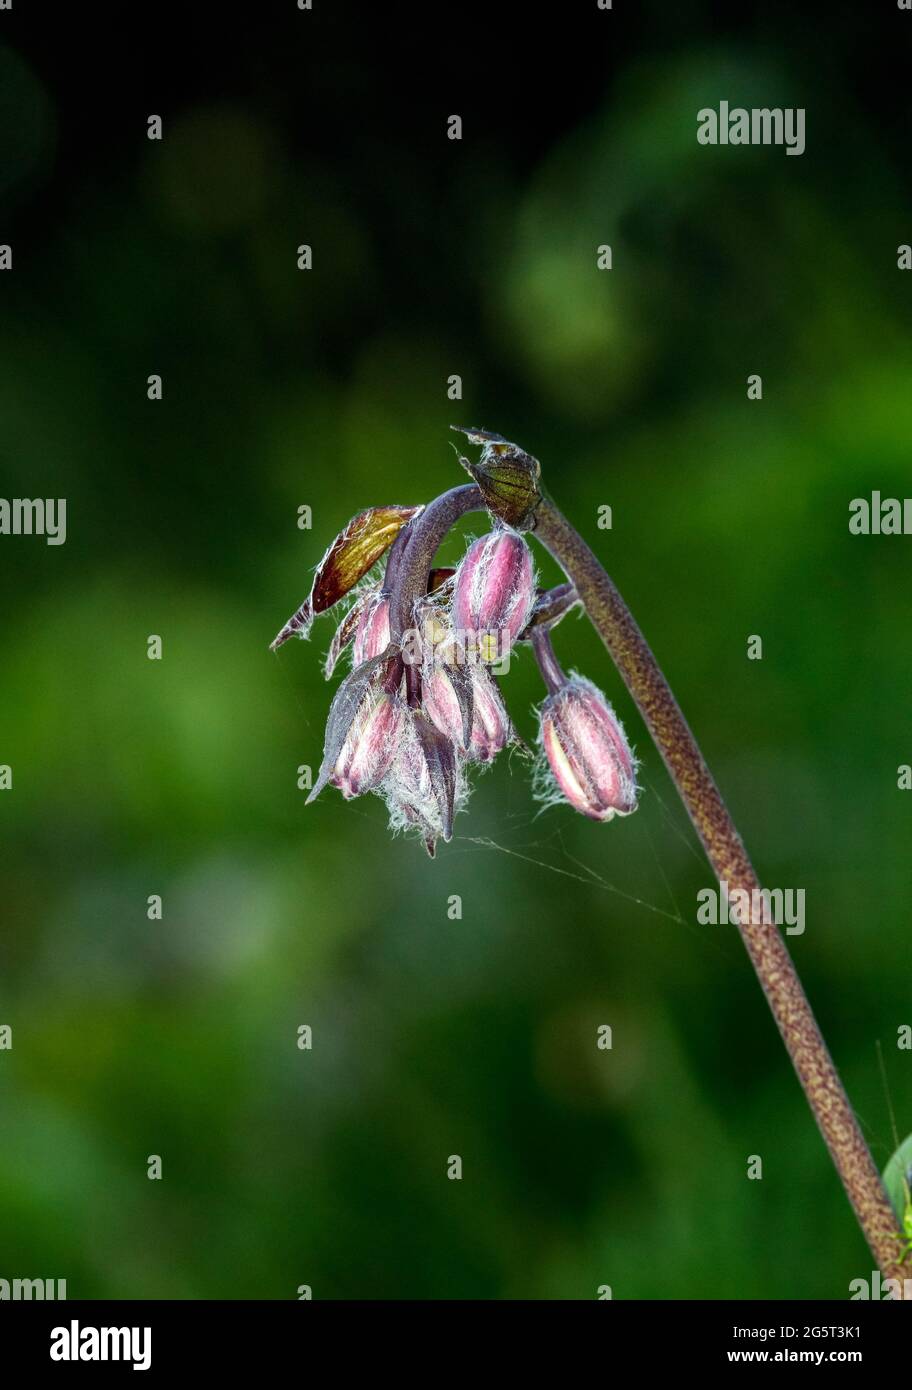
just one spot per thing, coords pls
(328, 388)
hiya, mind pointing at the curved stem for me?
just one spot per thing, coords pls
(394, 560)
(414, 562)
(550, 607)
(769, 955)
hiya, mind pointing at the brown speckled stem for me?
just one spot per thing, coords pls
(769, 955)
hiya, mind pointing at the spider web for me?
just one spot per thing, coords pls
(549, 853)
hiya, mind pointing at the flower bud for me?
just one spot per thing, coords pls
(491, 728)
(424, 787)
(587, 749)
(373, 631)
(446, 696)
(507, 476)
(494, 591)
(369, 746)
(465, 704)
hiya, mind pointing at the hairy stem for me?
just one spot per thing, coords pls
(548, 664)
(769, 955)
(550, 607)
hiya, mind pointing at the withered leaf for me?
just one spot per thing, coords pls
(438, 577)
(345, 632)
(355, 551)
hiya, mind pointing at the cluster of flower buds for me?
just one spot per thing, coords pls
(422, 703)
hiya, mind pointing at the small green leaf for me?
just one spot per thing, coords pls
(897, 1180)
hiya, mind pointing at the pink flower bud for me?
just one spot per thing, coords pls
(370, 745)
(587, 749)
(467, 707)
(494, 590)
(373, 632)
(441, 702)
(424, 786)
(490, 722)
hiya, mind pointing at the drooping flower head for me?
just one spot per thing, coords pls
(420, 704)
